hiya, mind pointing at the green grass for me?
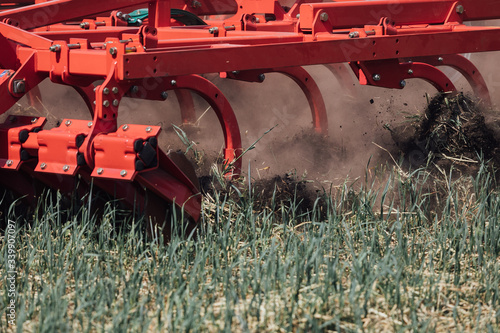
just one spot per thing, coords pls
(415, 252)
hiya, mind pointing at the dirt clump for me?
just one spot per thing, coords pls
(452, 128)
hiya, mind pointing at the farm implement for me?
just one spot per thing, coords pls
(115, 49)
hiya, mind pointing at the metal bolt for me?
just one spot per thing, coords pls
(134, 89)
(440, 59)
(376, 77)
(410, 71)
(43, 166)
(262, 77)
(235, 72)
(173, 82)
(213, 30)
(164, 95)
(116, 102)
(125, 127)
(95, 103)
(123, 173)
(460, 9)
(113, 51)
(100, 171)
(105, 103)
(196, 4)
(90, 124)
(19, 86)
(65, 168)
(402, 83)
(297, 16)
(105, 91)
(148, 129)
(354, 34)
(115, 90)
(257, 20)
(34, 120)
(323, 16)
(55, 48)
(84, 25)
(9, 162)
(95, 88)
(67, 122)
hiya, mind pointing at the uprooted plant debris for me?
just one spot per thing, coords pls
(451, 128)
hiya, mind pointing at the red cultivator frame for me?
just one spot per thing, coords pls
(167, 44)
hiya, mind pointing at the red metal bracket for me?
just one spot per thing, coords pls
(14, 132)
(58, 150)
(120, 155)
(392, 74)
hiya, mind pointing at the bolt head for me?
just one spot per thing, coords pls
(123, 173)
(323, 16)
(125, 127)
(164, 95)
(297, 16)
(67, 122)
(460, 9)
(9, 162)
(410, 71)
(262, 77)
(115, 90)
(113, 51)
(354, 34)
(440, 59)
(134, 89)
(100, 171)
(105, 103)
(148, 129)
(116, 102)
(90, 124)
(34, 120)
(173, 82)
(402, 83)
(43, 166)
(65, 168)
(376, 77)
(55, 48)
(105, 91)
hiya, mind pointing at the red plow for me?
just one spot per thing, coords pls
(109, 50)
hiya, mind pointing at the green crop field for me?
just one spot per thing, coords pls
(409, 252)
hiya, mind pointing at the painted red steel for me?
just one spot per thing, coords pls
(89, 46)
